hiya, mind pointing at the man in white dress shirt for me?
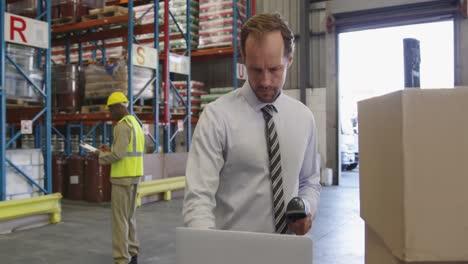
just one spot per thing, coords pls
(233, 166)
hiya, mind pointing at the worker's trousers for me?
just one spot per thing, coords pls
(124, 235)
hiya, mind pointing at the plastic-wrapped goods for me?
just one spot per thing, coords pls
(195, 110)
(178, 44)
(193, 84)
(215, 93)
(29, 161)
(226, 5)
(102, 81)
(67, 87)
(221, 90)
(216, 41)
(17, 87)
(58, 144)
(216, 22)
(195, 96)
(179, 8)
(24, 56)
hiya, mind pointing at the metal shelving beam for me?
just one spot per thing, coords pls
(166, 78)
(130, 38)
(156, 83)
(48, 101)
(2, 105)
(188, 129)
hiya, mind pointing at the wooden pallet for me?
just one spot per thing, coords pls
(117, 9)
(101, 108)
(88, 109)
(142, 109)
(63, 21)
(106, 12)
(19, 103)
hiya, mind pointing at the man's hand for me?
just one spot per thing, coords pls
(105, 148)
(301, 226)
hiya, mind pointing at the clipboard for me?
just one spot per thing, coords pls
(88, 147)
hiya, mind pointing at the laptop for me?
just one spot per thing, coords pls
(208, 246)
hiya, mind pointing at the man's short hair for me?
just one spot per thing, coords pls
(265, 23)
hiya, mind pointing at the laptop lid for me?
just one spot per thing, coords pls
(208, 246)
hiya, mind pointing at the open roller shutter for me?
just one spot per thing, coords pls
(424, 12)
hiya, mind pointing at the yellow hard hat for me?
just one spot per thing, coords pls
(115, 98)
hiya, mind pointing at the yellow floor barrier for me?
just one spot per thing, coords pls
(46, 204)
(160, 186)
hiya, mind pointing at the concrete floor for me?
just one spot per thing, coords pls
(84, 236)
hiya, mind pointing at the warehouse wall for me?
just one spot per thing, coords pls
(316, 101)
(462, 54)
(323, 59)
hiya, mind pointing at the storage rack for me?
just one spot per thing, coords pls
(42, 117)
(93, 121)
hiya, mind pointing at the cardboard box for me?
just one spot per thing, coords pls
(25, 156)
(413, 155)
(378, 253)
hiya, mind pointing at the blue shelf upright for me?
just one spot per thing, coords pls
(168, 86)
(44, 14)
(2, 105)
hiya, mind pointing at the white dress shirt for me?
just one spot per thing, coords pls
(228, 177)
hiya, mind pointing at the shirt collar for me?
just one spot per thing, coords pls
(253, 101)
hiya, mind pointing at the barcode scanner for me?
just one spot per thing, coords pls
(296, 210)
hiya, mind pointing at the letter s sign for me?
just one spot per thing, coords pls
(140, 55)
(143, 56)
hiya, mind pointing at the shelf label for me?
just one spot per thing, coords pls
(145, 56)
(241, 71)
(180, 125)
(146, 129)
(179, 63)
(26, 127)
(26, 31)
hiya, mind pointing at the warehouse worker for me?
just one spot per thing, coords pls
(126, 159)
(255, 148)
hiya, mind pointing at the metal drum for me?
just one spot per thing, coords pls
(73, 9)
(58, 173)
(94, 188)
(106, 182)
(75, 173)
(67, 87)
(25, 8)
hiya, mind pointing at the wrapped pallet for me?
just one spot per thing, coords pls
(104, 80)
(216, 22)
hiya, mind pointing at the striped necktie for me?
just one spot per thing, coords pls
(275, 170)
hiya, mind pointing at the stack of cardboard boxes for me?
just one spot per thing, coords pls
(414, 198)
(30, 162)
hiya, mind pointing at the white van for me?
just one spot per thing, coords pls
(349, 149)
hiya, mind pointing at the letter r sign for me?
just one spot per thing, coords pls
(26, 31)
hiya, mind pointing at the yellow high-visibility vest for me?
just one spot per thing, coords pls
(132, 164)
